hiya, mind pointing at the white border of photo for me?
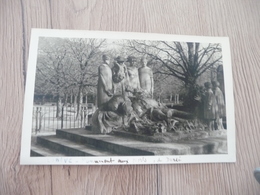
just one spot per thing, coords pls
(25, 157)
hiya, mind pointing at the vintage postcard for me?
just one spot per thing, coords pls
(103, 98)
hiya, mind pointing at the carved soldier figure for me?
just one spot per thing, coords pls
(210, 106)
(220, 103)
(133, 76)
(146, 78)
(105, 84)
(120, 76)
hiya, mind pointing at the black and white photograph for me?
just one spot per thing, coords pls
(96, 97)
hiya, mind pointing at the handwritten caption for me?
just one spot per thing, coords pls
(115, 160)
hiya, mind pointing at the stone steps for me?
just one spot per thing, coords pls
(116, 145)
(39, 150)
(82, 142)
(66, 147)
(129, 145)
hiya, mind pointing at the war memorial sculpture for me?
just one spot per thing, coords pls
(133, 108)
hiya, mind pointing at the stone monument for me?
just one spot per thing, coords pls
(146, 78)
(105, 84)
(132, 70)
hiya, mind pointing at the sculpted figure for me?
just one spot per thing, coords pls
(135, 114)
(105, 84)
(150, 115)
(111, 114)
(210, 106)
(120, 76)
(146, 78)
(220, 104)
(134, 83)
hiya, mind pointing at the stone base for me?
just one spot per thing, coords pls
(82, 142)
(169, 137)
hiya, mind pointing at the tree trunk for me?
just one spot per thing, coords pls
(191, 54)
(79, 103)
(75, 102)
(43, 99)
(85, 112)
(65, 99)
(58, 106)
(71, 98)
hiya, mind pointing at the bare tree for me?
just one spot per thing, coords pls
(184, 60)
(86, 56)
(51, 68)
(67, 66)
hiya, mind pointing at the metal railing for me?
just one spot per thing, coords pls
(46, 119)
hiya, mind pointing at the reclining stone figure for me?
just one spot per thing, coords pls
(143, 115)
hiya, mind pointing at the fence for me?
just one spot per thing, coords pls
(45, 118)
